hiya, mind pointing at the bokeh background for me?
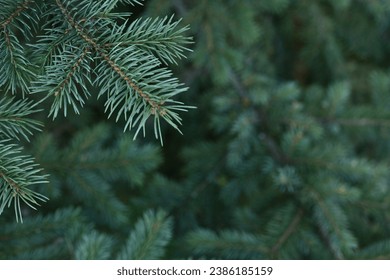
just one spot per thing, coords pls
(285, 157)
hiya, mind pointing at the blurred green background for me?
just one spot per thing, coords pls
(285, 157)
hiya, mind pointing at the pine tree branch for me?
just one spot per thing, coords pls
(15, 120)
(17, 172)
(149, 237)
(142, 88)
(103, 53)
(67, 79)
(9, 47)
(159, 37)
(72, 71)
(15, 67)
(327, 232)
(94, 246)
(287, 233)
(269, 142)
(19, 9)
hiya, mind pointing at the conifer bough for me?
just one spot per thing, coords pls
(64, 50)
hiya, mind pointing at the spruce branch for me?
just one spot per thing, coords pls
(94, 246)
(96, 193)
(66, 79)
(149, 237)
(42, 235)
(72, 71)
(101, 51)
(15, 120)
(80, 47)
(131, 2)
(159, 37)
(16, 71)
(333, 225)
(90, 168)
(140, 88)
(270, 143)
(290, 229)
(15, 12)
(17, 173)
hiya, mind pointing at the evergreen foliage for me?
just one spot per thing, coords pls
(286, 157)
(69, 48)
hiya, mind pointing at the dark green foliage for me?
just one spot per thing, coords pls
(61, 52)
(51, 236)
(15, 120)
(290, 153)
(286, 156)
(149, 238)
(17, 171)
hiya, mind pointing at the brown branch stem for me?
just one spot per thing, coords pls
(287, 233)
(10, 182)
(74, 68)
(23, 6)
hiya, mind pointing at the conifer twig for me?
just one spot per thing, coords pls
(269, 142)
(23, 6)
(103, 53)
(287, 233)
(72, 71)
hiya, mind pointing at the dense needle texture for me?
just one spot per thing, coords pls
(286, 155)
